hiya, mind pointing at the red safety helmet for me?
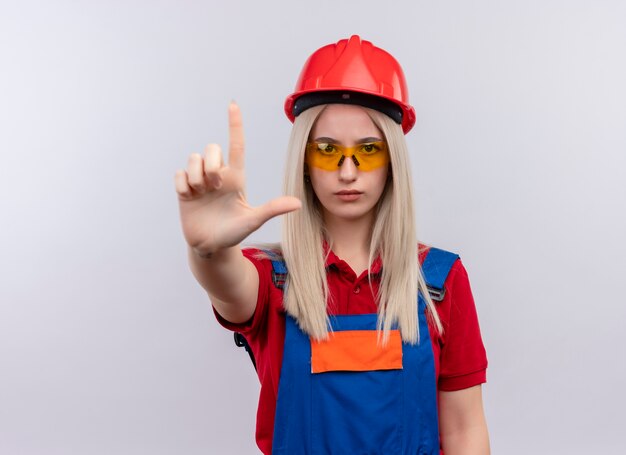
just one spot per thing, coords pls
(353, 71)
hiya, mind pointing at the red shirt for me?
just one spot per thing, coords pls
(460, 358)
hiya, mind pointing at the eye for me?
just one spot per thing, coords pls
(370, 148)
(327, 149)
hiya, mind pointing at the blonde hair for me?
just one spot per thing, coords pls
(306, 289)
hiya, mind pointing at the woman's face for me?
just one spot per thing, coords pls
(347, 191)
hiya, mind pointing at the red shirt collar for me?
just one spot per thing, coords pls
(333, 259)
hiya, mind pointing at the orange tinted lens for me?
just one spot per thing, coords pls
(369, 156)
(324, 156)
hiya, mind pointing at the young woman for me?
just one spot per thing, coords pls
(364, 341)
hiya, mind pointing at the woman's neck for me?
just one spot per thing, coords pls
(350, 240)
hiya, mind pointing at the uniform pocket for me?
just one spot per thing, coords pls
(356, 350)
(356, 393)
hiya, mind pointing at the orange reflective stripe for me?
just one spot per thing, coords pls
(356, 350)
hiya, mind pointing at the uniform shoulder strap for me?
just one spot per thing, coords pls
(279, 269)
(436, 267)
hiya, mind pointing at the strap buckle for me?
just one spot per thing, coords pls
(279, 279)
(436, 294)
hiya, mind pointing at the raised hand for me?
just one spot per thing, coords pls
(213, 209)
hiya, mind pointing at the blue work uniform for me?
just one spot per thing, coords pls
(389, 411)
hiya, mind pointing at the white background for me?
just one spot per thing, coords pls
(107, 343)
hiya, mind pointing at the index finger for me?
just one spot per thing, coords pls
(235, 130)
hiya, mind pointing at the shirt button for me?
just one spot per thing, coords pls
(357, 289)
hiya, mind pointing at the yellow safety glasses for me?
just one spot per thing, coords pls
(366, 157)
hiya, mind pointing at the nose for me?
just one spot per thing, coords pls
(348, 170)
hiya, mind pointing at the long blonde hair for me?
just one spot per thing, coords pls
(393, 233)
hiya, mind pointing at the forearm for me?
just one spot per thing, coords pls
(462, 423)
(472, 440)
(230, 280)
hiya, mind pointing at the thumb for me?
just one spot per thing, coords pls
(278, 206)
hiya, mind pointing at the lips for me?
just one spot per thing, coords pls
(348, 195)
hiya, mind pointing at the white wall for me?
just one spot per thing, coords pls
(107, 343)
